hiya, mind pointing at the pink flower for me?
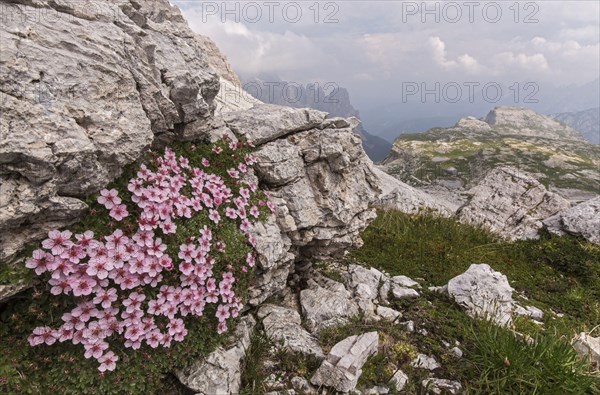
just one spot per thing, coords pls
(254, 211)
(133, 302)
(42, 335)
(105, 297)
(108, 362)
(119, 212)
(217, 150)
(205, 162)
(109, 198)
(95, 349)
(221, 327)
(230, 213)
(82, 285)
(41, 262)
(57, 241)
(222, 313)
(214, 216)
(233, 173)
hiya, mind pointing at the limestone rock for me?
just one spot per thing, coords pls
(327, 304)
(484, 293)
(266, 122)
(283, 326)
(400, 292)
(122, 73)
(404, 281)
(511, 203)
(364, 282)
(220, 373)
(425, 362)
(399, 380)
(457, 352)
(302, 385)
(397, 195)
(580, 220)
(342, 368)
(388, 314)
(588, 347)
(439, 386)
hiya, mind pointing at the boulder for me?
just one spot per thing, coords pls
(283, 326)
(511, 203)
(220, 372)
(396, 195)
(327, 304)
(122, 73)
(342, 367)
(580, 220)
(483, 293)
(588, 347)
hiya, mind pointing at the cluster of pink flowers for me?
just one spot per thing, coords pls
(108, 275)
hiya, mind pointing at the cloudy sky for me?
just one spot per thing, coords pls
(375, 47)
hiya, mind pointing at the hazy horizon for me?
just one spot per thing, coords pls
(405, 60)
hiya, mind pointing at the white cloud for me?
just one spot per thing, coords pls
(536, 62)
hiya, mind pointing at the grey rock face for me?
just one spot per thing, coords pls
(121, 74)
(511, 203)
(437, 386)
(220, 373)
(283, 326)
(580, 220)
(483, 293)
(342, 368)
(327, 304)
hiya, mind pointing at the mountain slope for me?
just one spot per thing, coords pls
(586, 122)
(455, 157)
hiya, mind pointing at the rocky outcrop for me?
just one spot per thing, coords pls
(343, 366)
(396, 195)
(153, 84)
(511, 203)
(283, 327)
(220, 373)
(483, 293)
(580, 220)
(122, 75)
(327, 304)
(442, 386)
(529, 124)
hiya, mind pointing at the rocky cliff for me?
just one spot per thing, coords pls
(127, 76)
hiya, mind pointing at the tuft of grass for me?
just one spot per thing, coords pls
(507, 364)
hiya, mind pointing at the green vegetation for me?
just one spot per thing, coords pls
(560, 274)
(61, 368)
(560, 164)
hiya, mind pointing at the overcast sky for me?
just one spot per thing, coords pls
(373, 47)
